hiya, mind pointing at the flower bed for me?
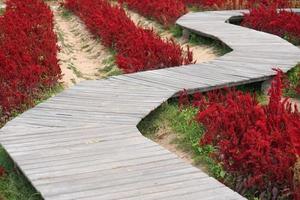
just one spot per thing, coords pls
(283, 23)
(165, 12)
(28, 63)
(257, 145)
(136, 49)
(239, 4)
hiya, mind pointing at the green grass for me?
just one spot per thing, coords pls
(110, 68)
(219, 47)
(13, 185)
(67, 14)
(194, 39)
(75, 70)
(294, 78)
(176, 31)
(187, 130)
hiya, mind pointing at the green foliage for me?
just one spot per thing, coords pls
(294, 81)
(188, 132)
(176, 31)
(1, 11)
(110, 68)
(66, 14)
(219, 47)
(255, 89)
(13, 185)
(195, 8)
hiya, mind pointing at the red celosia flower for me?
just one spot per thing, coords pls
(164, 11)
(255, 142)
(28, 53)
(266, 18)
(136, 49)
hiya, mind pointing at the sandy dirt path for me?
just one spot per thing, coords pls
(82, 57)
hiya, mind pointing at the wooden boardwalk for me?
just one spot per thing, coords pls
(84, 144)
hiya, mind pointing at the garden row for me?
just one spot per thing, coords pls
(136, 49)
(256, 146)
(263, 15)
(28, 62)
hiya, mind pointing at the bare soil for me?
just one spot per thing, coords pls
(167, 138)
(82, 56)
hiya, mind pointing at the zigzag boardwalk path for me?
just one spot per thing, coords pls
(84, 144)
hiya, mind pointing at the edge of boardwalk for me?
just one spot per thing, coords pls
(84, 144)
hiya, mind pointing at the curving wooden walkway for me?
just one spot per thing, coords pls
(84, 144)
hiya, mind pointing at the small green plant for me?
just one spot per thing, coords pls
(67, 14)
(293, 77)
(187, 131)
(195, 8)
(219, 47)
(110, 68)
(1, 11)
(13, 184)
(176, 31)
(75, 70)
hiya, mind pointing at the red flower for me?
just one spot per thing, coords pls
(28, 62)
(136, 49)
(258, 143)
(2, 171)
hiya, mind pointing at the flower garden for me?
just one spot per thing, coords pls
(248, 140)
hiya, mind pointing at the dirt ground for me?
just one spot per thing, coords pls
(81, 55)
(166, 138)
(200, 53)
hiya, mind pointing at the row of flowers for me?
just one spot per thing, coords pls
(257, 145)
(28, 54)
(165, 12)
(136, 49)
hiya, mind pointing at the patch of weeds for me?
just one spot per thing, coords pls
(2, 11)
(110, 68)
(255, 89)
(85, 47)
(75, 70)
(176, 31)
(73, 81)
(192, 8)
(13, 184)
(294, 80)
(49, 92)
(187, 130)
(61, 38)
(66, 14)
(219, 47)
